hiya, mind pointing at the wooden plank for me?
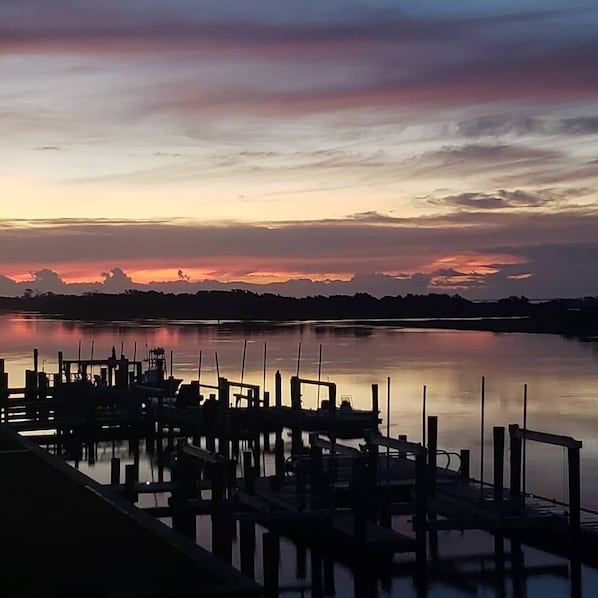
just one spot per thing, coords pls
(340, 449)
(399, 445)
(199, 453)
(545, 437)
(316, 382)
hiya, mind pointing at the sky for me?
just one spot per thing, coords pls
(300, 147)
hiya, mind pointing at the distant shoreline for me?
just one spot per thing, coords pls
(567, 317)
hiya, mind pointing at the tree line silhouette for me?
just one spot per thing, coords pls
(575, 317)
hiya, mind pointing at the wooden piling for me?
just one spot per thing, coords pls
(498, 433)
(221, 516)
(515, 477)
(517, 568)
(266, 433)
(115, 471)
(385, 512)
(403, 454)
(279, 455)
(248, 473)
(375, 407)
(464, 458)
(359, 488)
(432, 452)
(316, 571)
(421, 479)
(223, 393)
(300, 560)
(296, 441)
(271, 557)
(574, 488)
(315, 475)
(222, 532)
(329, 583)
(4, 391)
(247, 546)
(130, 482)
(277, 389)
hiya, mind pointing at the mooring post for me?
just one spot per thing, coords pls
(296, 441)
(222, 532)
(575, 574)
(315, 475)
(266, 431)
(223, 393)
(91, 451)
(385, 512)
(221, 516)
(499, 563)
(224, 440)
(316, 571)
(515, 441)
(517, 568)
(300, 560)
(247, 546)
(371, 460)
(421, 491)
(574, 488)
(60, 365)
(498, 433)
(332, 435)
(115, 471)
(183, 476)
(403, 454)
(277, 389)
(196, 437)
(210, 441)
(130, 482)
(4, 390)
(329, 584)
(464, 457)
(271, 556)
(375, 407)
(279, 455)
(257, 449)
(359, 488)
(30, 392)
(432, 452)
(248, 473)
(295, 392)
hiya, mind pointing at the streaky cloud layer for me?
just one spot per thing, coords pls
(408, 146)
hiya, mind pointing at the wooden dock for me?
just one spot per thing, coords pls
(336, 499)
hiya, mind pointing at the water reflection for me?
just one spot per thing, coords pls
(561, 374)
(459, 564)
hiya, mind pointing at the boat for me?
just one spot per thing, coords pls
(154, 374)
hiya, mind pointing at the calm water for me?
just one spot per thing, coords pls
(561, 375)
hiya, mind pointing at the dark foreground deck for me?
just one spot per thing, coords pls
(65, 535)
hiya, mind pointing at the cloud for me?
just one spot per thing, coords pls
(116, 281)
(85, 26)
(481, 159)
(466, 242)
(519, 126)
(518, 198)
(499, 125)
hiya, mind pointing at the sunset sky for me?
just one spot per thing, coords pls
(425, 146)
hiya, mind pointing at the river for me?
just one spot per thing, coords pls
(561, 377)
